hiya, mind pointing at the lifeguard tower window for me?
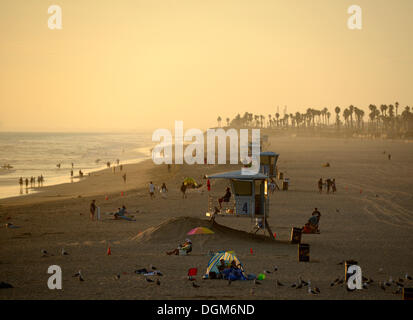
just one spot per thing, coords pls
(268, 162)
(242, 188)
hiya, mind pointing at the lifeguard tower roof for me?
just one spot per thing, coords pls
(238, 176)
(269, 153)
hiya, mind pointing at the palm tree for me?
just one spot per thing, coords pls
(277, 115)
(227, 122)
(328, 117)
(219, 121)
(337, 110)
(351, 111)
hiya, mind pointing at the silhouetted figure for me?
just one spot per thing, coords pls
(124, 178)
(320, 185)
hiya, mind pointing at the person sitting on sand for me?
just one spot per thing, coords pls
(187, 246)
(312, 225)
(121, 212)
(225, 198)
(234, 272)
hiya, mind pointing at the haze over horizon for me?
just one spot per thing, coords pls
(141, 65)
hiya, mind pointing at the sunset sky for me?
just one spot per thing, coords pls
(141, 64)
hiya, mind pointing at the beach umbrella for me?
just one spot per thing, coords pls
(200, 230)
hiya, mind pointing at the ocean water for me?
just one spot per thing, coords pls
(35, 154)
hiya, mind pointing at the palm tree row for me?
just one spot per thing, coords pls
(385, 120)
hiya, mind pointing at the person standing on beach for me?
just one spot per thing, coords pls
(21, 182)
(27, 183)
(124, 178)
(333, 185)
(152, 190)
(320, 185)
(328, 185)
(183, 190)
(92, 209)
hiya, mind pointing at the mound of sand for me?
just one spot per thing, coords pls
(176, 229)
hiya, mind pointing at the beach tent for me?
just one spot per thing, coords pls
(190, 182)
(228, 257)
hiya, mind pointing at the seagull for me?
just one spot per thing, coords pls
(256, 281)
(266, 271)
(152, 267)
(408, 277)
(382, 286)
(158, 282)
(195, 285)
(80, 276)
(278, 283)
(275, 268)
(44, 252)
(117, 277)
(365, 285)
(149, 280)
(64, 253)
(76, 274)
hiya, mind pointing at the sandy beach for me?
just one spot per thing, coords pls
(369, 219)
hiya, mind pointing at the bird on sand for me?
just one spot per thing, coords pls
(256, 281)
(44, 253)
(64, 253)
(149, 280)
(158, 282)
(408, 277)
(275, 268)
(117, 277)
(195, 285)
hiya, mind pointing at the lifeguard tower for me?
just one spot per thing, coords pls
(268, 163)
(249, 199)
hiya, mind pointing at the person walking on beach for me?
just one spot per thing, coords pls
(92, 209)
(71, 173)
(152, 190)
(27, 183)
(21, 182)
(320, 185)
(124, 178)
(121, 167)
(333, 185)
(328, 185)
(183, 190)
(164, 190)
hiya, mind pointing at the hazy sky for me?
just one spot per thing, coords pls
(141, 64)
